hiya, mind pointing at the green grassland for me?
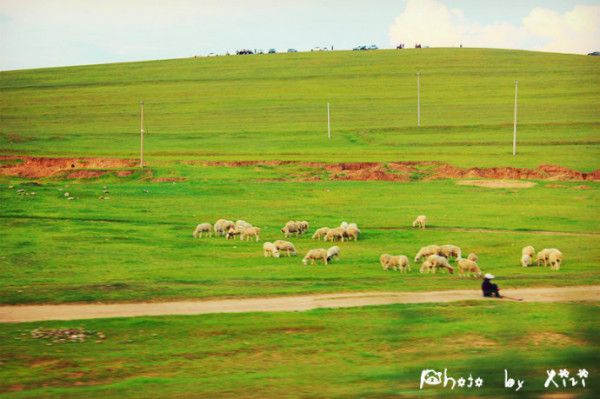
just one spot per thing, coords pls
(273, 107)
(373, 352)
(138, 245)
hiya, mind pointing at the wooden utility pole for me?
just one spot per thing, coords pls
(515, 125)
(418, 99)
(328, 123)
(141, 134)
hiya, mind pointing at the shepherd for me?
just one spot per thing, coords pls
(490, 289)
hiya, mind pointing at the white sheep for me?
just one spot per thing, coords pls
(232, 233)
(420, 221)
(353, 226)
(285, 246)
(542, 257)
(344, 225)
(202, 228)
(434, 262)
(526, 260)
(473, 257)
(351, 233)
(320, 233)
(335, 234)
(314, 255)
(555, 259)
(424, 252)
(291, 228)
(450, 251)
(304, 225)
(333, 252)
(222, 226)
(398, 262)
(528, 250)
(249, 232)
(467, 267)
(269, 249)
(242, 225)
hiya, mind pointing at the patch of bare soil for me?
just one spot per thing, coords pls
(496, 183)
(74, 168)
(363, 171)
(406, 171)
(550, 339)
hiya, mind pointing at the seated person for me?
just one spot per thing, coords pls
(490, 289)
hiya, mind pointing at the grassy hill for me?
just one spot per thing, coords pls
(274, 107)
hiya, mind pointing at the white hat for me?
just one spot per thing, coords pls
(489, 276)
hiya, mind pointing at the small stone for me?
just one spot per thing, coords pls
(67, 194)
(71, 198)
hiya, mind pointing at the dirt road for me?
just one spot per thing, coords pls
(28, 313)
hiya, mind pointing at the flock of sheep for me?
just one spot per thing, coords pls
(435, 257)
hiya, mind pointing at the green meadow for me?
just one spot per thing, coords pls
(274, 107)
(372, 352)
(138, 245)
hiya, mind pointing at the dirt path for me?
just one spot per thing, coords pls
(28, 313)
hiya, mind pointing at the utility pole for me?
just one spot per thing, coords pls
(141, 134)
(418, 99)
(515, 125)
(328, 123)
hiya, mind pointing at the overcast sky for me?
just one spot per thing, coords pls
(42, 33)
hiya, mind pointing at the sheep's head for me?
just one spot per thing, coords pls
(276, 253)
(304, 261)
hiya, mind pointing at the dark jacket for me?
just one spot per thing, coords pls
(489, 288)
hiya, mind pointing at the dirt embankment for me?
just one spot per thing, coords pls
(72, 168)
(82, 168)
(406, 171)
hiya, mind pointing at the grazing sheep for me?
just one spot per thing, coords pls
(472, 257)
(399, 262)
(526, 260)
(420, 222)
(320, 233)
(353, 226)
(542, 256)
(285, 246)
(344, 225)
(242, 225)
(528, 250)
(426, 251)
(303, 226)
(467, 267)
(555, 259)
(434, 262)
(250, 232)
(335, 234)
(232, 233)
(314, 255)
(351, 233)
(290, 228)
(333, 252)
(222, 226)
(202, 228)
(450, 251)
(269, 249)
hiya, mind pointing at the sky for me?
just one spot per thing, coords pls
(45, 33)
